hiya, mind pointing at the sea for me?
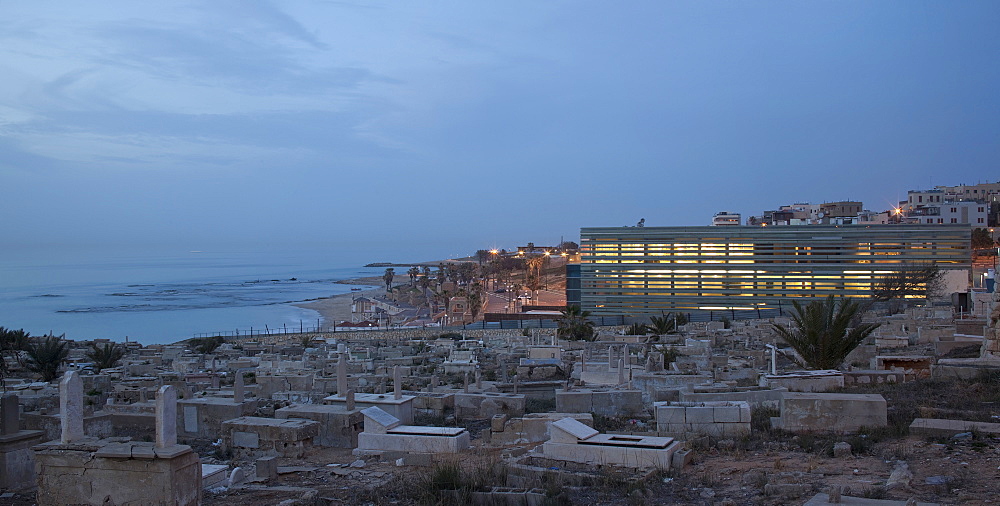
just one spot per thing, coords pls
(157, 296)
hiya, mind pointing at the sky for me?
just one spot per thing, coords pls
(436, 128)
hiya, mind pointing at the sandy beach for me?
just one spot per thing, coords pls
(337, 308)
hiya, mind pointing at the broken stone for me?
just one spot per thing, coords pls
(842, 449)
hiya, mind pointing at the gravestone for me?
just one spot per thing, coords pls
(71, 407)
(239, 389)
(166, 417)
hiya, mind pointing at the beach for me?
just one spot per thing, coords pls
(337, 308)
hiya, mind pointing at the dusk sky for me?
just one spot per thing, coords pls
(440, 127)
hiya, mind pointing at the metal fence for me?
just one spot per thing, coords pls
(600, 321)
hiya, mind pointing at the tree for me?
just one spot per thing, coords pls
(105, 357)
(533, 274)
(390, 273)
(12, 343)
(413, 272)
(981, 239)
(45, 357)
(636, 329)
(824, 332)
(660, 325)
(207, 345)
(908, 281)
(476, 297)
(574, 325)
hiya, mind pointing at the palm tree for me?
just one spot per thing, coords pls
(636, 329)
(413, 272)
(105, 357)
(825, 332)
(660, 325)
(390, 273)
(45, 357)
(574, 325)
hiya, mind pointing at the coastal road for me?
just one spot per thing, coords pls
(499, 303)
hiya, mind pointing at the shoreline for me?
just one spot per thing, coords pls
(337, 308)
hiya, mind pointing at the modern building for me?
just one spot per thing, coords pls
(651, 270)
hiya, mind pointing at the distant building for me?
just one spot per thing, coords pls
(803, 213)
(987, 193)
(971, 213)
(652, 270)
(844, 212)
(724, 218)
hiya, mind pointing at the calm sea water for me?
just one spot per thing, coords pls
(159, 297)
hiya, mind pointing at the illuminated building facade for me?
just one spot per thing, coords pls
(651, 270)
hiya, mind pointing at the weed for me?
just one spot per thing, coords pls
(760, 419)
(539, 405)
(709, 480)
(874, 492)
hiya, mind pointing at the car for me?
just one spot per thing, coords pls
(500, 290)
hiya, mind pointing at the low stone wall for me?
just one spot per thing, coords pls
(755, 398)
(98, 426)
(432, 403)
(713, 418)
(487, 404)
(600, 402)
(806, 381)
(650, 383)
(838, 413)
(877, 377)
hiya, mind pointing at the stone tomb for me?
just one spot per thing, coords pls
(573, 441)
(17, 461)
(532, 428)
(251, 436)
(386, 433)
(714, 418)
(339, 427)
(202, 417)
(400, 406)
(116, 470)
(824, 412)
(487, 404)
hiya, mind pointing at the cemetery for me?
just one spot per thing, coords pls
(707, 410)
